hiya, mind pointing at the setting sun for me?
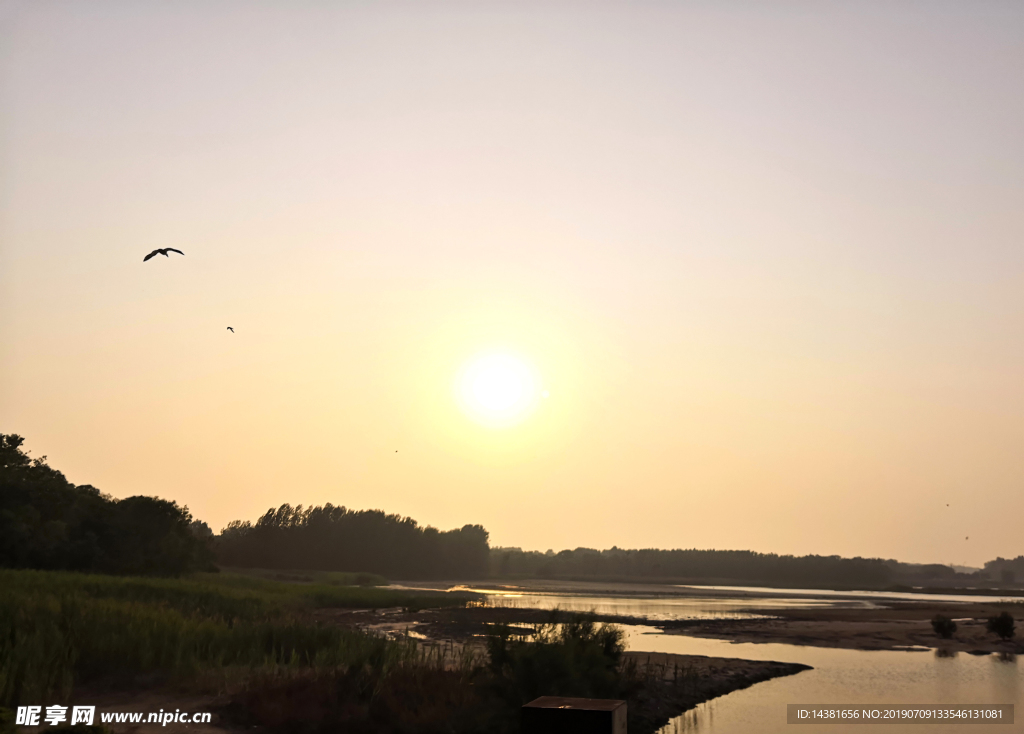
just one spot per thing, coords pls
(497, 389)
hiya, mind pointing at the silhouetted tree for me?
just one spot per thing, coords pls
(1006, 570)
(944, 626)
(201, 530)
(1001, 625)
(333, 538)
(703, 565)
(47, 522)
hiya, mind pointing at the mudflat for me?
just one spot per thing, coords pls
(900, 625)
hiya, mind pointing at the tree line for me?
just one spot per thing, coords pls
(1006, 570)
(333, 538)
(747, 567)
(46, 522)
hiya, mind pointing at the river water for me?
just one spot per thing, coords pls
(838, 676)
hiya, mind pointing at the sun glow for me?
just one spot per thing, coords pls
(497, 389)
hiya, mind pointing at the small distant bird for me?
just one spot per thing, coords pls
(162, 251)
(231, 330)
(968, 537)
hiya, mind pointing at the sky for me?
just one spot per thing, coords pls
(765, 259)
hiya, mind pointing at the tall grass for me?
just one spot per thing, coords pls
(455, 689)
(228, 596)
(284, 671)
(56, 628)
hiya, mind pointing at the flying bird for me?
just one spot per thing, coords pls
(231, 330)
(162, 251)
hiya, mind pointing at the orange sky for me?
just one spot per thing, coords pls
(767, 263)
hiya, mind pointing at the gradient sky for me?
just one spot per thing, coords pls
(767, 258)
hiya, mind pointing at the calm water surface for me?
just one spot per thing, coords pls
(840, 677)
(674, 603)
(692, 602)
(659, 608)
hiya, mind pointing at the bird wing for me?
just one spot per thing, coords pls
(154, 252)
(231, 330)
(171, 249)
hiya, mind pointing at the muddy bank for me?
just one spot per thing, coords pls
(675, 684)
(901, 626)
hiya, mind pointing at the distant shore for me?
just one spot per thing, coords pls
(711, 589)
(754, 587)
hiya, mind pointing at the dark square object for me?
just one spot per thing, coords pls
(558, 715)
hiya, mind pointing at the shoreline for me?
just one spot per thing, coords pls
(664, 697)
(703, 588)
(901, 626)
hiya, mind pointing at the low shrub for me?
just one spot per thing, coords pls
(944, 626)
(1001, 625)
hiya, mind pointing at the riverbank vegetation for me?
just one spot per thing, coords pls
(475, 691)
(258, 648)
(60, 628)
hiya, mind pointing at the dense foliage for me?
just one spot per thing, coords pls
(334, 538)
(47, 522)
(695, 565)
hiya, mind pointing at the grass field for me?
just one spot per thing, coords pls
(58, 628)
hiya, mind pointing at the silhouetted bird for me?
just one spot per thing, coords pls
(162, 251)
(233, 331)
